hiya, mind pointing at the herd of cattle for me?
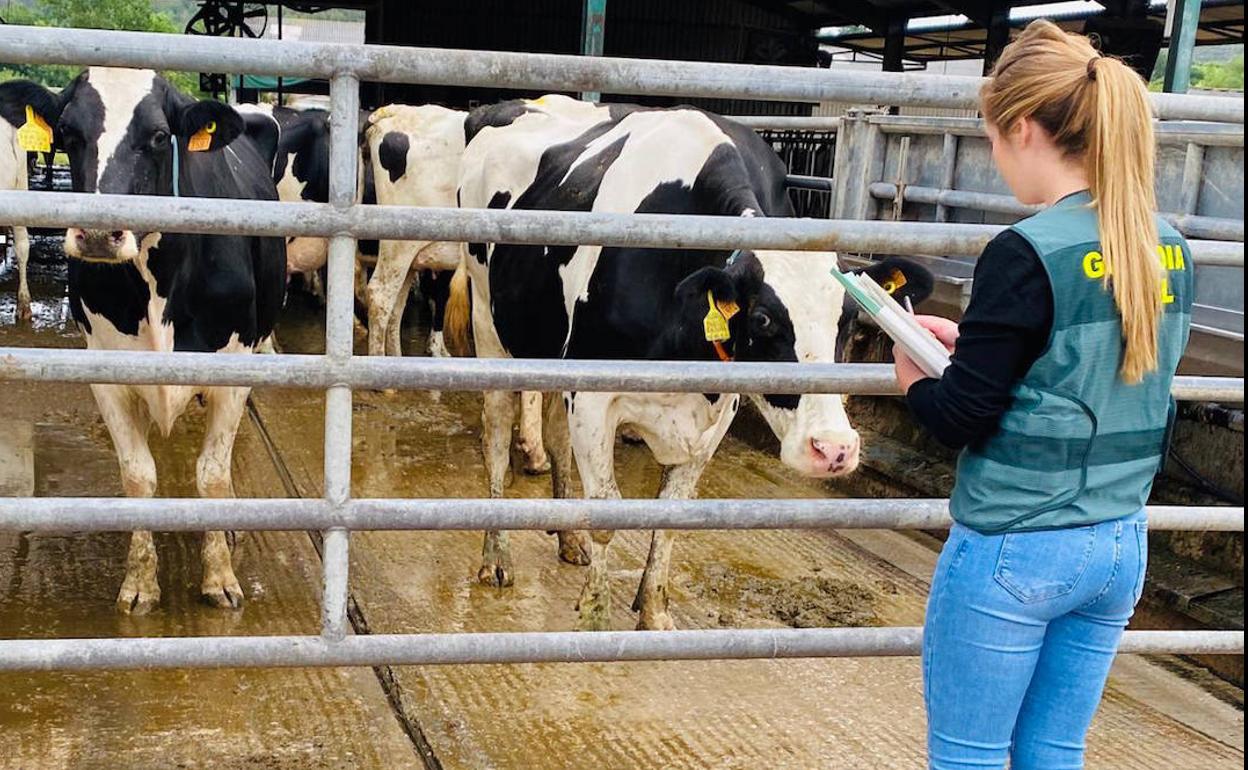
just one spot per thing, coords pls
(130, 132)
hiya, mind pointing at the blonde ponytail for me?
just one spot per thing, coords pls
(1120, 170)
(1096, 109)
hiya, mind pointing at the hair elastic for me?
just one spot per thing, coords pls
(1092, 67)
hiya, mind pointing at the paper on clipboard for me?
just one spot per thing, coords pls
(892, 318)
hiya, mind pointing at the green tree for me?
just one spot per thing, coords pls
(135, 15)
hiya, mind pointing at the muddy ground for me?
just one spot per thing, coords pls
(841, 713)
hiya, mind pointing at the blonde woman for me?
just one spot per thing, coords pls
(1059, 398)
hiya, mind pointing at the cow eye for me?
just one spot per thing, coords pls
(159, 139)
(761, 322)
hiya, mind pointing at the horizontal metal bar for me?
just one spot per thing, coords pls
(813, 123)
(807, 182)
(202, 215)
(375, 372)
(524, 647)
(122, 514)
(494, 69)
(1192, 226)
(1167, 132)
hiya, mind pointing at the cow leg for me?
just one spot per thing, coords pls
(435, 288)
(394, 331)
(315, 286)
(213, 477)
(128, 422)
(360, 290)
(21, 248)
(496, 419)
(591, 429)
(394, 262)
(680, 482)
(574, 545)
(530, 439)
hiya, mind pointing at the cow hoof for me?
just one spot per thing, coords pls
(659, 621)
(133, 600)
(228, 596)
(574, 547)
(496, 575)
(594, 618)
(539, 468)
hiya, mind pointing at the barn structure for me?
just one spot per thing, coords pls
(900, 34)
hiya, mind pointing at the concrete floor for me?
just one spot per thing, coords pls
(842, 713)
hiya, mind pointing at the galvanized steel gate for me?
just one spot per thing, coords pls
(338, 372)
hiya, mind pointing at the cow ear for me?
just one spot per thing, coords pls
(902, 279)
(17, 95)
(207, 124)
(692, 290)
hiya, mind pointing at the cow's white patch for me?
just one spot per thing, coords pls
(813, 299)
(120, 90)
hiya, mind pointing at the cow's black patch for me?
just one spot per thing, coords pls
(494, 116)
(392, 154)
(117, 292)
(526, 289)
(304, 135)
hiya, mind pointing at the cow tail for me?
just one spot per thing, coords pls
(457, 321)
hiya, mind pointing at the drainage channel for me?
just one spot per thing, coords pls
(359, 623)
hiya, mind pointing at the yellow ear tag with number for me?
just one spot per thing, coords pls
(34, 135)
(894, 282)
(715, 324)
(201, 140)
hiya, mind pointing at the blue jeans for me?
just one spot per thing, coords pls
(1021, 631)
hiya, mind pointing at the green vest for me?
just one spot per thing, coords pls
(1078, 445)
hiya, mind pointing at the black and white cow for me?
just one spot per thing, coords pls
(415, 153)
(13, 176)
(146, 291)
(612, 303)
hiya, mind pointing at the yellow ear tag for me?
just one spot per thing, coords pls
(715, 325)
(894, 282)
(201, 140)
(34, 135)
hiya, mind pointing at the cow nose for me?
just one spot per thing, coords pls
(835, 456)
(96, 244)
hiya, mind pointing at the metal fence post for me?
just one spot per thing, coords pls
(343, 156)
(859, 160)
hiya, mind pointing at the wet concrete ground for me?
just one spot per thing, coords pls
(845, 713)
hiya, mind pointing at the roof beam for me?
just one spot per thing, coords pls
(978, 11)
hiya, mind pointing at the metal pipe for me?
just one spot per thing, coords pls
(808, 182)
(344, 94)
(373, 372)
(525, 647)
(1218, 228)
(813, 123)
(155, 214)
(121, 514)
(1167, 132)
(524, 71)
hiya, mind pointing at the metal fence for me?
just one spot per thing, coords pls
(338, 372)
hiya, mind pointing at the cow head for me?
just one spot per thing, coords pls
(119, 128)
(786, 307)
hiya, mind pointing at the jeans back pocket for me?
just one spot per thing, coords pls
(1044, 565)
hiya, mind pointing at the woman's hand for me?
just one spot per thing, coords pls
(907, 371)
(944, 330)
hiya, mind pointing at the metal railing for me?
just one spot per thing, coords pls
(338, 372)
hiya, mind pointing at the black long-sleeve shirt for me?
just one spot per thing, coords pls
(1004, 330)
